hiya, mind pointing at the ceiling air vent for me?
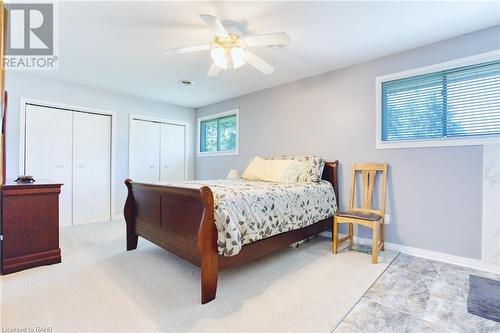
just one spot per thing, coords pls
(277, 46)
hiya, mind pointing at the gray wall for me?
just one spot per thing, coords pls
(435, 194)
(24, 85)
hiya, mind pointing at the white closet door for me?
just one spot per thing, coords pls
(48, 151)
(173, 154)
(145, 151)
(91, 167)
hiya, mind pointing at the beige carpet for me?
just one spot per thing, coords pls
(100, 287)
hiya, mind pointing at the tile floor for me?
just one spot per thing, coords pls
(418, 295)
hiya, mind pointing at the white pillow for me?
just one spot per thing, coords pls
(273, 170)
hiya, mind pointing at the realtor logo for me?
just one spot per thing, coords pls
(31, 36)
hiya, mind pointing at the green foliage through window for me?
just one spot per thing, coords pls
(218, 134)
(460, 102)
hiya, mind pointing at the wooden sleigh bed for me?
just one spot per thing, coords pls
(181, 220)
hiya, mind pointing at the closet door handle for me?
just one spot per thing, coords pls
(165, 166)
(152, 167)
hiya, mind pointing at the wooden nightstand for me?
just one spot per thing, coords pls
(30, 225)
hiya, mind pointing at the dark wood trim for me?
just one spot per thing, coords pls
(3, 137)
(272, 244)
(181, 220)
(30, 191)
(11, 265)
(3, 93)
(207, 247)
(129, 213)
(330, 173)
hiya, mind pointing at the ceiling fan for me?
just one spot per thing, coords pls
(229, 50)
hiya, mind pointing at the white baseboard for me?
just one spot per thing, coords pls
(433, 255)
(118, 217)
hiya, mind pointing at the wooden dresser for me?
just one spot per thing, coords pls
(30, 225)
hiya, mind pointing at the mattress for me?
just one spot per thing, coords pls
(248, 211)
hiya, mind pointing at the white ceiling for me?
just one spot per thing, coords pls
(119, 45)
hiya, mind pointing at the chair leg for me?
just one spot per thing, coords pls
(382, 235)
(335, 235)
(375, 243)
(351, 234)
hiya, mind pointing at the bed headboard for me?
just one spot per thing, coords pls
(330, 174)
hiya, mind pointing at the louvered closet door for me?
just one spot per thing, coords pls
(91, 167)
(173, 154)
(48, 151)
(145, 151)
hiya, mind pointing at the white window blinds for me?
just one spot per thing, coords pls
(460, 102)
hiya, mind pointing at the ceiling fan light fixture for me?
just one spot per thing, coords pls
(229, 49)
(238, 56)
(228, 52)
(219, 56)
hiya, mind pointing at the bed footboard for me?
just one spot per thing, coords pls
(181, 220)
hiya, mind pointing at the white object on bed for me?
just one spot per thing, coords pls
(286, 171)
(233, 174)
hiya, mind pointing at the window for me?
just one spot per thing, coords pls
(218, 134)
(452, 106)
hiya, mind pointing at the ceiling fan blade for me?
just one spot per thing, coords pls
(181, 50)
(215, 24)
(258, 63)
(277, 38)
(214, 70)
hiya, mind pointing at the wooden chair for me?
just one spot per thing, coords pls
(366, 215)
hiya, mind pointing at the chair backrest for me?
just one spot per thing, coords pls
(369, 172)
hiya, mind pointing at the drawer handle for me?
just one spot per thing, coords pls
(59, 166)
(81, 166)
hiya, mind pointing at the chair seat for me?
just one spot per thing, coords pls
(360, 215)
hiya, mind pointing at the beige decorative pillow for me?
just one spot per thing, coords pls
(314, 169)
(273, 170)
(294, 171)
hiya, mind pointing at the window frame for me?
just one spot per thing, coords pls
(441, 142)
(232, 112)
